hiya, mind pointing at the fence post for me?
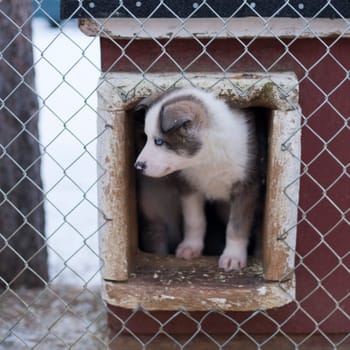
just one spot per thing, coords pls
(23, 255)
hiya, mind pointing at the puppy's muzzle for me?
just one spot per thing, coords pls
(141, 166)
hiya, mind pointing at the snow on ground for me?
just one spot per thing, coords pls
(59, 317)
(67, 70)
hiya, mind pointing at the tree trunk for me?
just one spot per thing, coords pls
(23, 254)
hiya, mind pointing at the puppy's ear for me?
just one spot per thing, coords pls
(172, 119)
(144, 104)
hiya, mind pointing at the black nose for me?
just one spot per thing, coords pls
(140, 166)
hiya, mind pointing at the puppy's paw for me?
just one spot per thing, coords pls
(232, 261)
(189, 249)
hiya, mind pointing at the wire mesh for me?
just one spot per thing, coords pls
(68, 312)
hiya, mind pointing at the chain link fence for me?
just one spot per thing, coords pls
(310, 39)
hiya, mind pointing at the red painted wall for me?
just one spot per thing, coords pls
(323, 263)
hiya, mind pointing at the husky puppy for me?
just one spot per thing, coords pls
(211, 149)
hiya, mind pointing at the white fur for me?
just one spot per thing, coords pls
(234, 256)
(222, 160)
(222, 157)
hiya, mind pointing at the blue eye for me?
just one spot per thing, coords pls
(159, 142)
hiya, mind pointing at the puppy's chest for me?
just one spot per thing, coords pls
(213, 182)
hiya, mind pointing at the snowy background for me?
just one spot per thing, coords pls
(67, 70)
(69, 312)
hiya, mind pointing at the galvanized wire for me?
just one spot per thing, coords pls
(74, 315)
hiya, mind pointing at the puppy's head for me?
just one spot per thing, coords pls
(173, 128)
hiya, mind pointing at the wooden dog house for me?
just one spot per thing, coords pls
(132, 278)
(140, 56)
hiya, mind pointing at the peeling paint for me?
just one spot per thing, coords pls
(218, 300)
(248, 27)
(262, 290)
(164, 297)
(259, 89)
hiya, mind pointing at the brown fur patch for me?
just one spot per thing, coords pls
(180, 122)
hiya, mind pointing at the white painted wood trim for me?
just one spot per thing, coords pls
(249, 27)
(282, 195)
(269, 296)
(116, 192)
(119, 92)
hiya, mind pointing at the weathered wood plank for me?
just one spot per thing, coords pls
(168, 283)
(250, 27)
(282, 195)
(203, 290)
(117, 221)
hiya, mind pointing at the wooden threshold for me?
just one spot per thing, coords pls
(168, 283)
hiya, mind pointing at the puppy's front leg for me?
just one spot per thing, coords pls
(194, 226)
(238, 228)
